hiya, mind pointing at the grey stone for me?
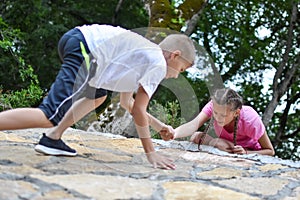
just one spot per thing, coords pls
(111, 166)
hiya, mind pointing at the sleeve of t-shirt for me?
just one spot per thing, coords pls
(255, 127)
(208, 109)
(152, 79)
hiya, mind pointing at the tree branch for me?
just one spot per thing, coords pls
(278, 93)
(288, 47)
(295, 133)
(279, 88)
(284, 116)
(191, 24)
(116, 11)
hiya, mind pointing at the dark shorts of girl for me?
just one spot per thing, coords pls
(71, 83)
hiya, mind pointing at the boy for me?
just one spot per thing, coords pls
(96, 58)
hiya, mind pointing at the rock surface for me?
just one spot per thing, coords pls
(114, 167)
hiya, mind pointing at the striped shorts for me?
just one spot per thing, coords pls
(71, 82)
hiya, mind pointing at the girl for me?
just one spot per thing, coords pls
(238, 128)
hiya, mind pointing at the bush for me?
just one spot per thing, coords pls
(168, 114)
(31, 95)
(27, 91)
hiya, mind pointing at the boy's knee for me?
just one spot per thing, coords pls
(94, 93)
(100, 100)
(44, 120)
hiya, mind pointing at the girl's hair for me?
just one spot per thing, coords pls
(228, 96)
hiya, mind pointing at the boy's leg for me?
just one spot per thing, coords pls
(51, 143)
(70, 97)
(78, 110)
(67, 85)
(60, 96)
(19, 119)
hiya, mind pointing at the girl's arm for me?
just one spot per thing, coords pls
(266, 145)
(127, 102)
(191, 127)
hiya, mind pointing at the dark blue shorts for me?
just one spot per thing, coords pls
(71, 83)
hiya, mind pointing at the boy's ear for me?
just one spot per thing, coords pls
(176, 53)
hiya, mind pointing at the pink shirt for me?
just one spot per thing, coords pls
(250, 127)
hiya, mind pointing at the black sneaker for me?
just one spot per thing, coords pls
(49, 146)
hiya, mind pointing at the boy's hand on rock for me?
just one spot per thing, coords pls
(159, 161)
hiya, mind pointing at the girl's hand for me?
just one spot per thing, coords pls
(239, 150)
(167, 133)
(159, 161)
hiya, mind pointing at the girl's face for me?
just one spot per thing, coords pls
(223, 114)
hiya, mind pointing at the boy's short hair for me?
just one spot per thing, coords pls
(182, 43)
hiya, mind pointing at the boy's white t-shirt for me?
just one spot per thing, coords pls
(125, 60)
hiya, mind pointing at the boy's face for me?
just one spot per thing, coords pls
(176, 64)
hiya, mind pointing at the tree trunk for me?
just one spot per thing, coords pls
(282, 80)
(162, 14)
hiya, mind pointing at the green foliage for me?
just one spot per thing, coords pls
(169, 113)
(247, 58)
(10, 42)
(30, 92)
(179, 20)
(44, 22)
(26, 97)
(227, 29)
(192, 94)
(9, 36)
(288, 145)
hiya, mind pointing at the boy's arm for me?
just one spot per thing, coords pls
(140, 115)
(137, 109)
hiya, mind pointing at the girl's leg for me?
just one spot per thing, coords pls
(22, 118)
